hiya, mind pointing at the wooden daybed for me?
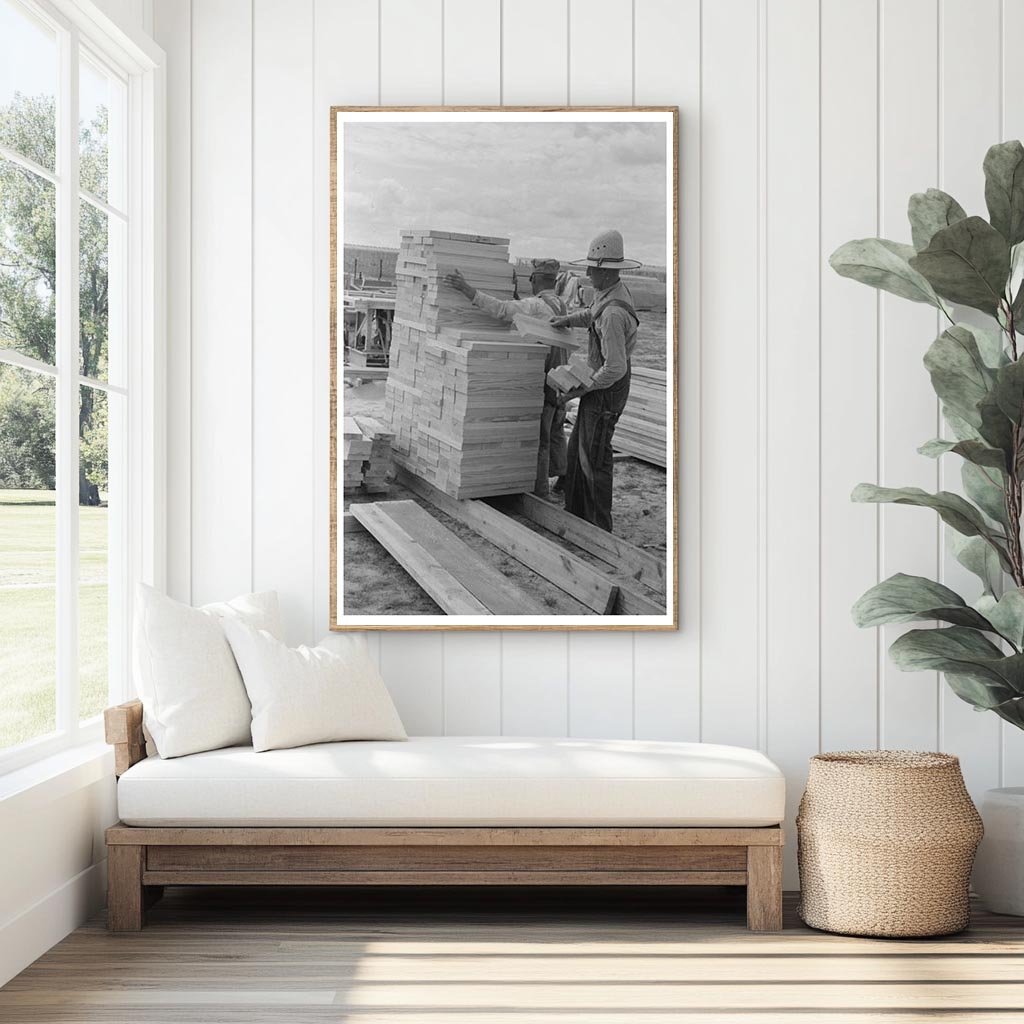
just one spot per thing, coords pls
(181, 849)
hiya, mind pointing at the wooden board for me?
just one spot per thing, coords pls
(538, 329)
(536, 957)
(629, 560)
(449, 594)
(565, 570)
(498, 594)
(448, 858)
(571, 835)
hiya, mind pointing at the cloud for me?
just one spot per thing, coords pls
(548, 186)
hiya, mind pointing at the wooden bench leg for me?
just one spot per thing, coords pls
(125, 896)
(764, 888)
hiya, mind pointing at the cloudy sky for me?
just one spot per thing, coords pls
(549, 187)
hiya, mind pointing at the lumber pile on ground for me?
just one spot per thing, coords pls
(365, 455)
(458, 580)
(641, 430)
(464, 394)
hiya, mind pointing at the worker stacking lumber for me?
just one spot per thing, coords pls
(535, 328)
(464, 394)
(640, 431)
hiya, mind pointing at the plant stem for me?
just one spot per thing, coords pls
(1012, 496)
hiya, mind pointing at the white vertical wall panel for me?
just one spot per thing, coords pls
(283, 338)
(968, 125)
(1011, 112)
(472, 684)
(221, 369)
(849, 373)
(667, 665)
(600, 685)
(793, 413)
(411, 52)
(414, 671)
(173, 27)
(472, 52)
(730, 279)
(534, 56)
(600, 53)
(535, 694)
(909, 413)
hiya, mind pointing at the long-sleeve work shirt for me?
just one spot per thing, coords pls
(616, 335)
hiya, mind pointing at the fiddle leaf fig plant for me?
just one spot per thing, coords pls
(977, 373)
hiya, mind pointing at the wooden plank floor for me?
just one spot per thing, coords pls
(219, 956)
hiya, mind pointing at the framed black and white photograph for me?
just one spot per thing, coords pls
(503, 368)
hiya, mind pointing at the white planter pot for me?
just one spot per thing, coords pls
(999, 867)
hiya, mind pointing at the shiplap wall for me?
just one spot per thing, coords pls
(804, 123)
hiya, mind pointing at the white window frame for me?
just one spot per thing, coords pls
(140, 63)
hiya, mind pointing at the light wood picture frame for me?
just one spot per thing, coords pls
(436, 399)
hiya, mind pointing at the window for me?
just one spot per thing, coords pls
(76, 243)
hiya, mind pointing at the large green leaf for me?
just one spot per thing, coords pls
(986, 488)
(958, 372)
(1004, 189)
(883, 264)
(973, 451)
(961, 429)
(967, 263)
(996, 427)
(976, 555)
(903, 598)
(983, 694)
(990, 345)
(964, 652)
(1009, 390)
(932, 211)
(952, 509)
(1006, 614)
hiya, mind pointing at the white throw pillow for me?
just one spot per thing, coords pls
(192, 693)
(309, 694)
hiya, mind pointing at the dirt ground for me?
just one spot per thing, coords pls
(374, 584)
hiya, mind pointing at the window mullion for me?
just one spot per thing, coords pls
(67, 386)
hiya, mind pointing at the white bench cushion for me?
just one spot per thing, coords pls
(459, 780)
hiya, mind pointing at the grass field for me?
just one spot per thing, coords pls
(28, 614)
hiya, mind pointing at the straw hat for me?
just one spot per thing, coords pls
(606, 251)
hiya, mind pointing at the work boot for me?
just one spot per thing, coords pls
(559, 485)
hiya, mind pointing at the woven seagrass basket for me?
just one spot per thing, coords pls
(886, 841)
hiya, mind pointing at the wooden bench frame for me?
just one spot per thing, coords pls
(142, 860)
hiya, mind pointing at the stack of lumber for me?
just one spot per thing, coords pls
(641, 428)
(425, 257)
(572, 374)
(378, 463)
(464, 394)
(365, 455)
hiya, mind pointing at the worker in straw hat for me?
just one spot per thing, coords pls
(551, 452)
(612, 324)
